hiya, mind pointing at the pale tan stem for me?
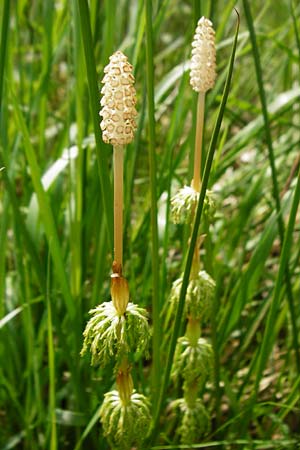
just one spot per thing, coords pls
(196, 183)
(118, 204)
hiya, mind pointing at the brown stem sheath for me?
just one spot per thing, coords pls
(124, 382)
(118, 204)
(196, 183)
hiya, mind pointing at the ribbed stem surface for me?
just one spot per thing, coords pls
(118, 204)
(198, 142)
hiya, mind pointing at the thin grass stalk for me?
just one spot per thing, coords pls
(197, 11)
(29, 245)
(109, 28)
(217, 352)
(213, 7)
(262, 95)
(3, 234)
(169, 163)
(296, 31)
(292, 399)
(153, 189)
(258, 444)
(101, 252)
(46, 47)
(131, 166)
(45, 211)
(93, 421)
(3, 46)
(25, 335)
(51, 365)
(77, 250)
(4, 222)
(106, 191)
(190, 255)
(267, 342)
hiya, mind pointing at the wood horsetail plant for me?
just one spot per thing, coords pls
(118, 329)
(193, 355)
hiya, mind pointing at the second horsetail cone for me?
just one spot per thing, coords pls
(118, 102)
(203, 63)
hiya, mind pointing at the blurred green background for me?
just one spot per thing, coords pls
(56, 212)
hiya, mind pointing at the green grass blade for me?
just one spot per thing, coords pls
(51, 365)
(262, 95)
(94, 419)
(3, 45)
(296, 31)
(45, 211)
(188, 263)
(153, 189)
(3, 233)
(101, 152)
(29, 244)
(77, 181)
(268, 337)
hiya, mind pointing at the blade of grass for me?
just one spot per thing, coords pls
(29, 244)
(260, 444)
(45, 211)
(170, 144)
(156, 370)
(189, 258)
(296, 31)
(47, 18)
(268, 337)
(3, 46)
(51, 365)
(106, 190)
(109, 26)
(78, 185)
(94, 419)
(3, 233)
(262, 95)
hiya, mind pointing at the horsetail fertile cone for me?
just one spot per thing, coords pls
(202, 78)
(203, 63)
(118, 127)
(118, 102)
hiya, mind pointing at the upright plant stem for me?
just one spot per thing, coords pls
(153, 188)
(276, 196)
(190, 254)
(118, 204)
(198, 141)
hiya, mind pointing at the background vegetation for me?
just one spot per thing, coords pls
(56, 212)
